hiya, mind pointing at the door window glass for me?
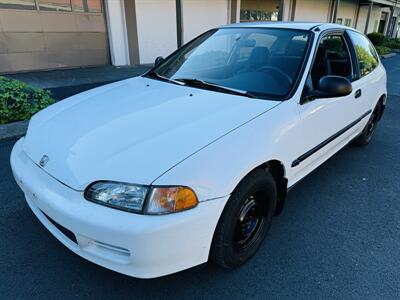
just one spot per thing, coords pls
(332, 58)
(366, 54)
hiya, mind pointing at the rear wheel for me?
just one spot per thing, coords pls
(365, 137)
(245, 220)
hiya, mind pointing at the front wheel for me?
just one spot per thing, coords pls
(366, 135)
(245, 220)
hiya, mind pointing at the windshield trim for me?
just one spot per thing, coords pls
(297, 78)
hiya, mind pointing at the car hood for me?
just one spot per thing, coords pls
(133, 130)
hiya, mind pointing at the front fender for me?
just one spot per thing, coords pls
(216, 170)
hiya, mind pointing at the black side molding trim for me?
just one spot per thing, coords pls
(328, 140)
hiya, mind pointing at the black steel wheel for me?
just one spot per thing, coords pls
(245, 220)
(371, 125)
(250, 222)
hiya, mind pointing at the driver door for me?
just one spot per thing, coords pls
(326, 123)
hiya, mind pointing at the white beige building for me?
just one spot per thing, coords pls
(50, 34)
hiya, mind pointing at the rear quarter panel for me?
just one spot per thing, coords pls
(373, 86)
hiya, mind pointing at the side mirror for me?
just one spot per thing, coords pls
(335, 86)
(329, 87)
(159, 60)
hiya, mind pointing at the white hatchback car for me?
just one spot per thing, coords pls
(189, 162)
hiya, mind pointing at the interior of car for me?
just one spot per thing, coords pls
(332, 58)
(264, 61)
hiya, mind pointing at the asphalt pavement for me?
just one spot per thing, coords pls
(337, 238)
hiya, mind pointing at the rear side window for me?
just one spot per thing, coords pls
(366, 54)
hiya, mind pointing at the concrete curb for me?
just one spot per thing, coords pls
(388, 55)
(13, 130)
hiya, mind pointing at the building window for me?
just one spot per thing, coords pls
(55, 5)
(347, 22)
(257, 15)
(251, 10)
(91, 6)
(18, 4)
(339, 21)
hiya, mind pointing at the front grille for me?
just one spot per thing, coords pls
(69, 234)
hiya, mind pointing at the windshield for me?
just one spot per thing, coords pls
(264, 62)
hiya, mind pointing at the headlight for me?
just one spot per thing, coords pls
(123, 196)
(164, 200)
(131, 197)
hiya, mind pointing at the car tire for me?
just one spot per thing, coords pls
(366, 135)
(245, 220)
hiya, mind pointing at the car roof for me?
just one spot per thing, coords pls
(288, 25)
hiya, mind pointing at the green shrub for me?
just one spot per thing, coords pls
(393, 43)
(377, 38)
(382, 50)
(19, 101)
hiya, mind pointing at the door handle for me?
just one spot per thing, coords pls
(357, 94)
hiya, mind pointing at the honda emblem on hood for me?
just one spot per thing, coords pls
(44, 160)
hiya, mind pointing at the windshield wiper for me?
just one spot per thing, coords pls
(211, 86)
(158, 76)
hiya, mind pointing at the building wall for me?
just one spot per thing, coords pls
(156, 28)
(156, 24)
(347, 10)
(36, 40)
(311, 10)
(396, 31)
(287, 10)
(374, 18)
(200, 16)
(117, 29)
(320, 11)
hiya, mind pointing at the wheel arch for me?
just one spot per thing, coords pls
(277, 169)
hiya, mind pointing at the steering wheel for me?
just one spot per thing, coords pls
(283, 74)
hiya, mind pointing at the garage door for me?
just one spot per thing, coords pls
(50, 34)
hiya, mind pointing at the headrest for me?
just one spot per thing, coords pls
(259, 57)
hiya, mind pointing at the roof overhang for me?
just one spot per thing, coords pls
(386, 3)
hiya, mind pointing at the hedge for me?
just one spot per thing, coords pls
(377, 38)
(19, 101)
(393, 43)
(382, 50)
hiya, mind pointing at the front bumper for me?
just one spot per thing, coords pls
(137, 245)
